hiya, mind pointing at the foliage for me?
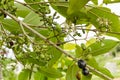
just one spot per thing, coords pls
(42, 45)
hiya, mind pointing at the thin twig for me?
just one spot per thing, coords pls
(25, 32)
(95, 30)
(111, 2)
(24, 4)
(34, 3)
(37, 26)
(53, 44)
(4, 32)
(31, 71)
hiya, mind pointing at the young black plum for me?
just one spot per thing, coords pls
(11, 43)
(85, 71)
(81, 64)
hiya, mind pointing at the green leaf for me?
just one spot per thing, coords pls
(110, 1)
(106, 1)
(105, 46)
(11, 26)
(75, 6)
(1, 16)
(112, 20)
(69, 46)
(33, 19)
(36, 61)
(90, 41)
(56, 54)
(59, 3)
(44, 32)
(88, 27)
(39, 76)
(74, 10)
(95, 2)
(88, 77)
(32, 1)
(24, 74)
(71, 72)
(78, 51)
(22, 11)
(60, 7)
(50, 72)
(92, 62)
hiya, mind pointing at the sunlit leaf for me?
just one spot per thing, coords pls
(69, 46)
(22, 11)
(91, 41)
(88, 27)
(24, 75)
(33, 19)
(102, 47)
(78, 51)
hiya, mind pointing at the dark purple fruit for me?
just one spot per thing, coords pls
(81, 64)
(5, 15)
(85, 71)
(11, 43)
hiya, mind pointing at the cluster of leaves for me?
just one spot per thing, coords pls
(7, 5)
(44, 61)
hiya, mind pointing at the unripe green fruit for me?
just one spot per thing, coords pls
(83, 46)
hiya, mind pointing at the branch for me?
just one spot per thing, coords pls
(25, 33)
(99, 73)
(53, 44)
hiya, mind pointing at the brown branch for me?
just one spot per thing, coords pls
(53, 44)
